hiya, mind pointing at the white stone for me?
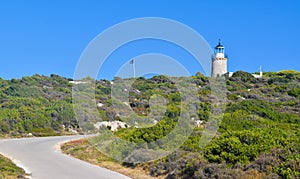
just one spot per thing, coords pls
(198, 123)
(73, 131)
(126, 104)
(100, 105)
(114, 125)
(77, 82)
(241, 97)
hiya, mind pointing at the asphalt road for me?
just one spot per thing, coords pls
(39, 157)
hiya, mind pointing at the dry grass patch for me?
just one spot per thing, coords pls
(83, 150)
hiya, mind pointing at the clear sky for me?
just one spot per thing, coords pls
(48, 36)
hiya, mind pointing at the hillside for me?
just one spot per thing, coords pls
(9, 170)
(38, 105)
(258, 136)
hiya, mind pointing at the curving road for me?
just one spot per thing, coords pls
(39, 157)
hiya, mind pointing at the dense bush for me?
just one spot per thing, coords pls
(242, 76)
(294, 92)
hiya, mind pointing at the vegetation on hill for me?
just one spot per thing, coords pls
(38, 105)
(258, 137)
(9, 169)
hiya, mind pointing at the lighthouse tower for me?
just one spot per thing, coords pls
(219, 61)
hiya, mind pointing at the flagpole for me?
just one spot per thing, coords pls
(133, 65)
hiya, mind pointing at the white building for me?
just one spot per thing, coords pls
(219, 61)
(260, 74)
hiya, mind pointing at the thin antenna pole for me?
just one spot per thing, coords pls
(260, 71)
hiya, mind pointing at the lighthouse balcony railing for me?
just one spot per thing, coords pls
(226, 56)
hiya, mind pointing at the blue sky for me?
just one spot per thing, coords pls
(47, 37)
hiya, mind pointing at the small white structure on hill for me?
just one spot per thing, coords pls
(260, 74)
(219, 61)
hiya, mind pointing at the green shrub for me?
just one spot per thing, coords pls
(295, 92)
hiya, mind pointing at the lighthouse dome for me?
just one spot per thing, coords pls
(219, 46)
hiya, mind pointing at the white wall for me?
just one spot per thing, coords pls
(219, 66)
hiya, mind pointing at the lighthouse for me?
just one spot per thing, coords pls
(219, 61)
